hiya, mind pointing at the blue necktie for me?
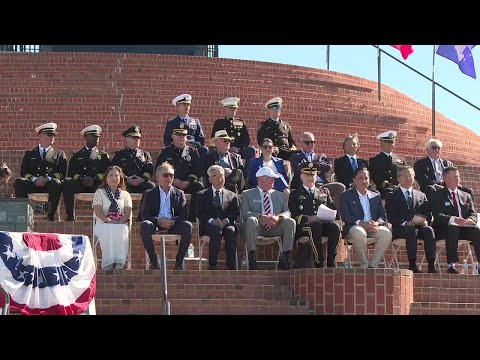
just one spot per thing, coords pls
(409, 200)
(354, 163)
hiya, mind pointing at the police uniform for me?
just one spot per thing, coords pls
(279, 132)
(383, 168)
(235, 181)
(302, 203)
(51, 163)
(188, 167)
(135, 162)
(84, 163)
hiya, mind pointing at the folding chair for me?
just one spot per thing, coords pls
(43, 198)
(350, 249)
(157, 239)
(263, 241)
(397, 244)
(95, 242)
(87, 197)
(441, 246)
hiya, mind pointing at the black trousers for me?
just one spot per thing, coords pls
(411, 234)
(182, 228)
(230, 235)
(318, 229)
(72, 187)
(452, 234)
(53, 188)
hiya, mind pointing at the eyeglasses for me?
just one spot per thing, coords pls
(50, 134)
(435, 147)
(168, 175)
(267, 147)
(309, 142)
(276, 108)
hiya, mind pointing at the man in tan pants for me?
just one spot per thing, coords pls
(363, 214)
(265, 213)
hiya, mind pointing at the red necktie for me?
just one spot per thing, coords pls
(455, 204)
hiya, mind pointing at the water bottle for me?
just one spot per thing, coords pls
(244, 265)
(475, 268)
(465, 267)
(191, 252)
(346, 264)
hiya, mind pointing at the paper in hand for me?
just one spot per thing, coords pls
(325, 213)
(418, 219)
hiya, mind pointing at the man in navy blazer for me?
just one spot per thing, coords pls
(363, 214)
(454, 217)
(408, 212)
(164, 208)
(217, 210)
(345, 166)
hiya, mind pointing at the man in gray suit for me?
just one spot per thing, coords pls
(265, 213)
(363, 215)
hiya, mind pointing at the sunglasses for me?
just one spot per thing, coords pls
(276, 108)
(309, 142)
(227, 141)
(267, 147)
(435, 148)
(168, 175)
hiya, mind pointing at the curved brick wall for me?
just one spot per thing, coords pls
(118, 90)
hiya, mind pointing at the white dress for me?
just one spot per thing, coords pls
(113, 237)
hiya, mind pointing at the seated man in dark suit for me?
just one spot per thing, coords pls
(408, 212)
(303, 204)
(345, 166)
(164, 208)
(429, 170)
(307, 155)
(454, 217)
(217, 209)
(383, 166)
(231, 162)
(363, 214)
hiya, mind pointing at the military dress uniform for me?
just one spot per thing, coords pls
(280, 132)
(135, 162)
(383, 168)
(51, 164)
(303, 203)
(188, 167)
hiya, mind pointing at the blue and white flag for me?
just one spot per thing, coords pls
(47, 274)
(461, 55)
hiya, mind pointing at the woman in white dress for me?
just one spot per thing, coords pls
(112, 205)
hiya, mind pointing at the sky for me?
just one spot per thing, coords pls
(361, 61)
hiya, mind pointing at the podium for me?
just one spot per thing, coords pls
(16, 215)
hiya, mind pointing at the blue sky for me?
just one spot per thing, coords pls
(361, 60)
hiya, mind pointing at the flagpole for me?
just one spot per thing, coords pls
(328, 57)
(379, 72)
(433, 92)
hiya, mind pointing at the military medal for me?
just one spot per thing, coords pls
(238, 134)
(182, 126)
(188, 158)
(300, 207)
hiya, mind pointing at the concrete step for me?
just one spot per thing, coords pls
(444, 308)
(450, 295)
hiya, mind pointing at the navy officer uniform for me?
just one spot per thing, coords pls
(276, 129)
(237, 129)
(384, 166)
(135, 162)
(304, 202)
(195, 135)
(45, 164)
(188, 167)
(85, 169)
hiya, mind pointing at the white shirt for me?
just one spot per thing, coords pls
(364, 201)
(388, 154)
(214, 191)
(406, 198)
(309, 156)
(165, 210)
(40, 148)
(272, 210)
(437, 168)
(459, 215)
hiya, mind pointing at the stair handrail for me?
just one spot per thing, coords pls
(6, 305)
(165, 302)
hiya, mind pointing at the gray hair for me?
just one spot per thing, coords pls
(214, 168)
(434, 142)
(309, 134)
(164, 167)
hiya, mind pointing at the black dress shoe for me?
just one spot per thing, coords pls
(413, 268)
(212, 267)
(432, 270)
(452, 270)
(283, 264)
(178, 267)
(318, 265)
(70, 218)
(51, 217)
(252, 260)
(154, 267)
(330, 264)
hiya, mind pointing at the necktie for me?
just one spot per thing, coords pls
(216, 200)
(438, 173)
(454, 197)
(266, 204)
(311, 192)
(354, 163)
(409, 200)
(44, 154)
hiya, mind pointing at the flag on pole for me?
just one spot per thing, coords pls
(405, 50)
(461, 55)
(47, 274)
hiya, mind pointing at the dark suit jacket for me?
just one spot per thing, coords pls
(397, 209)
(424, 172)
(301, 204)
(205, 209)
(351, 209)
(344, 171)
(54, 164)
(151, 205)
(299, 158)
(382, 169)
(257, 163)
(443, 209)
